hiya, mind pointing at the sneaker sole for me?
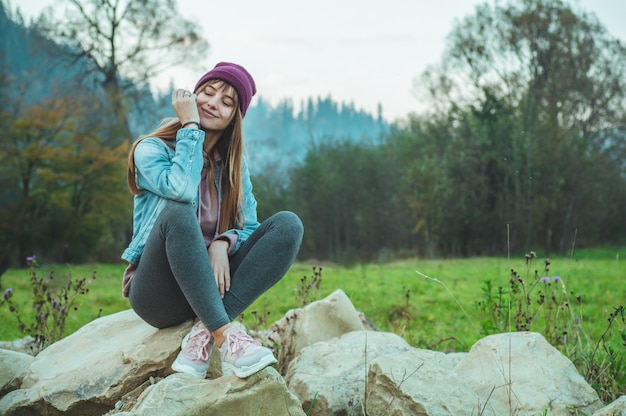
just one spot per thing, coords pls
(244, 372)
(187, 369)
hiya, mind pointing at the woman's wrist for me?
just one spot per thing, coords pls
(221, 243)
(191, 122)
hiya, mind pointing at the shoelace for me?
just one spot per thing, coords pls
(240, 341)
(199, 341)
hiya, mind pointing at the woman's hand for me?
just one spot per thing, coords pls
(184, 104)
(218, 253)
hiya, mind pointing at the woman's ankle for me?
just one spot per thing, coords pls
(218, 335)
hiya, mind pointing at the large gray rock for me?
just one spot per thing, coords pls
(120, 365)
(330, 376)
(418, 383)
(520, 373)
(264, 393)
(323, 320)
(26, 345)
(13, 366)
(617, 408)
(88, 372)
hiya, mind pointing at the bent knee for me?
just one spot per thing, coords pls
(290, 224)
(179, 214)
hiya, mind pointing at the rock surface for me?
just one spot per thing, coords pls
(617, 408)
(521, 373)
(12, 367)
(417, 382)
(88, 371)
(331, 363)
(264, 393)
(330, 375)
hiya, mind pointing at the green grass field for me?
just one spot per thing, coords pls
(438, 314)
(431, 303)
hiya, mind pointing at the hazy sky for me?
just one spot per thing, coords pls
(361, 51)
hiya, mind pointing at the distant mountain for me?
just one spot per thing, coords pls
(282, 135)
(28, 63)
(276, 136)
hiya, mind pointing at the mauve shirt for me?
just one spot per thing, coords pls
(209, 209)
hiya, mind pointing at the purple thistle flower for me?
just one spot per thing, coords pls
(7, 293)
(557, 278)
(30, 259)
(544, 280)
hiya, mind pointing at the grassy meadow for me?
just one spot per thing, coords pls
(431, 303)
(438, 311)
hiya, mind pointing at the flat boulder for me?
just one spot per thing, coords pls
(520, 373)
(329, 377)
(88, 371)
(418, 382)
(264, 393)
(13, 367)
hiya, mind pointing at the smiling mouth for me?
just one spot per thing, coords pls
(209, 114)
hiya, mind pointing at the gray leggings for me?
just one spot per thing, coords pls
(174, 280)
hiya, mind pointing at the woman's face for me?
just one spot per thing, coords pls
(217, 103)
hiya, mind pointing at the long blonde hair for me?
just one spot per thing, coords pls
(230, 148)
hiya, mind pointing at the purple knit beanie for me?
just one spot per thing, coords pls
(235, 75)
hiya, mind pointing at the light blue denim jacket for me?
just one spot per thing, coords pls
(167, 174)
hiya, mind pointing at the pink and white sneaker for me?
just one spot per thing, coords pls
(243, 355)
(195, 353)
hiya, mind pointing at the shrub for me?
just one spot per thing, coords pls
(541, 303)
(52, 302)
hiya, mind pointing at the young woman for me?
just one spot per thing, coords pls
(197, 248)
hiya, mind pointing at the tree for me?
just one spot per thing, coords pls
(124, 44)
(536, 92)
(62, 187)
(343, 193)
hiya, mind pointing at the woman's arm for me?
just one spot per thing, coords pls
(171, 174)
